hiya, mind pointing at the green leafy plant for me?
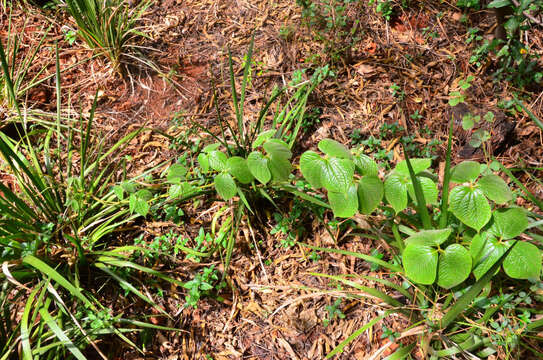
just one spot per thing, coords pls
(202, 285)
(451, 256)
(109, 26)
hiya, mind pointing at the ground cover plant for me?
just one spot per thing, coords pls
(292, 184)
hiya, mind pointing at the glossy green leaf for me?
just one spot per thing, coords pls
(523, 262)
(470, 206)
(495, 188)
(335, 149)
(217, 160)
(344, 205)
(180, 190)
(203, 160)
(370, 194)
(491, 252)
(277, 148)
(337, 174)
(237, 166)
(258, 166)
(209, 148)
(429, 190)
(420, 263)
(499, 3)
(280, 168)
(311, 166)
(262, 137)
(176, 173)
(418, 165)
(366, 165)
(396, 192)
(225, 186)
(429, 237)
(454, 266)
(508, 223)
(466, 171)
(138, 205)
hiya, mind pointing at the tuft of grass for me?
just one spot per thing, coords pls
(108, 26)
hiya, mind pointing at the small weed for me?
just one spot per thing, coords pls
(397, 92)
(202, 285)
(389, 334)
(334, 312)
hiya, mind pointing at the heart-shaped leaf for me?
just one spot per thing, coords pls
(311, 165)
(179, 190)
(344, 205)
(523, 262)
(396, 191)
(337, 174)
(508, 223)
(176, 173)
(470, 206)
(277, 148)
(280, 168)
(418, 165)
(495, 189)
(370, 193)
(238, 168)
(217, 160)
(366, 165)
(225, 186)
(492, 251)
(262, 137)
(429, 237)
(466, 171)
(203, 160)
(429, 190)
(258, 166)
(334, 149)
(454, 266)
(420, 263)
(209, 148)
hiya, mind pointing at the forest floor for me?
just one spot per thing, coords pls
(394, 82)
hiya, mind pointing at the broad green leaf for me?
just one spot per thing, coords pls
(176, 173)
(258, 166)
(209, 148)
(344, 205)
(429, 190)
(217, 160)
(119, 192)
(418, 165)
(366, 165)
(370, 194)
(429, 237)
(454, 266)
(280, 168)
(523, 262)
(492, 251)
(477, 246)
(262, 137)
(420, 263)
(470, 206)
(495, 189)
(337, 174)
(466, 171)
(311, 165)
(138, 205)
(277, 148)
(203, 160)
(180, 190)
(334, 149)
(225, 186)
(508, 223)
(238, 168)
(396, 192)
(499, 3)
